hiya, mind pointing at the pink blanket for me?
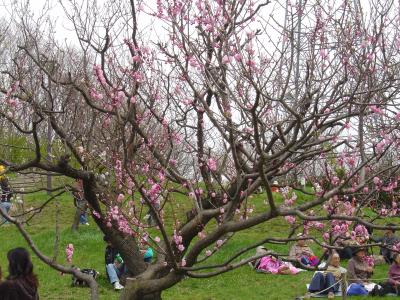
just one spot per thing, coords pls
(275, 266)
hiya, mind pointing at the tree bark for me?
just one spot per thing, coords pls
(75, 224)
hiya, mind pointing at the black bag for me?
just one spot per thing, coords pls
(78, 282)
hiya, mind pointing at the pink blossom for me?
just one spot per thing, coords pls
(157, 239)
(376, 109)
(181, 247)
(377, 181)
(120, 198)
(220, 243)
(208, 252)
(183, 262)
(290, 219)
(238, 57)
(201, 235)
(212, 164)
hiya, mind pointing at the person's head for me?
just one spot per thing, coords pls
(79, 184)
(4, 181)
(359, 253)
(106, 238)
(20, 266)
(302, 241)
(391, 231)
(335, 260)
(396, 258)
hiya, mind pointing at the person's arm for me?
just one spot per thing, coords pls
(293, 252)
(351, 272)
(392, 276)
(376, 239)
(308, 251)
(109, 256)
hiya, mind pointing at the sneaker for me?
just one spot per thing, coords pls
(87, 224)
(118, 286)
(331, 295)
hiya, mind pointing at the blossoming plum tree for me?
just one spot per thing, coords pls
(218, 99)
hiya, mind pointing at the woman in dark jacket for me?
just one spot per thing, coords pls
(22, 283)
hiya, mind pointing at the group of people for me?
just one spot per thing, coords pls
(327, 280)
(22, 284)
(115, 266)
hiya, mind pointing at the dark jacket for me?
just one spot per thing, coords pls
(110, 255)
(18, 289)
(6, 193)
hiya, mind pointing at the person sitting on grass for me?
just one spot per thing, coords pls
(392, 286)
(358, 273)
(21, 283)
(389, 240)
(303, 253)
(115, 266)
(148, 254)
(325, 280)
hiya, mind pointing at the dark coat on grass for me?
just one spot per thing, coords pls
(18, 288)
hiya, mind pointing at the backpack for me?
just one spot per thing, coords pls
(78, 282)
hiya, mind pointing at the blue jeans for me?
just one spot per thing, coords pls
(114, 273)
(5, 207)
(321, 282)
(83, 218)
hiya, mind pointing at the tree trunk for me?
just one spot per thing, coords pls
(131, 292)
(75, 224)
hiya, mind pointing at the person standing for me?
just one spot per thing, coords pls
(81, 206)
(22, 283)
(6, 195)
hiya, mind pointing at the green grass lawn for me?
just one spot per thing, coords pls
(242, 283)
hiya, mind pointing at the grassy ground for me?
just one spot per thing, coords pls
(242, 283)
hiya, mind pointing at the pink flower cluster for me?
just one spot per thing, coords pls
(178, 240)
(212, 164)
(115, 216)
(98, 72)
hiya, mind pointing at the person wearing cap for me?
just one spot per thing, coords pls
(303, 253)
(388, 240)
(358, 271)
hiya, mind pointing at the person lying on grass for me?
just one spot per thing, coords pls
(303, 253)
(273, 265)
(325, 280)
(21, 283)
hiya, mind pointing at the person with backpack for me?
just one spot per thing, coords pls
(6, 195)
(21, 283)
